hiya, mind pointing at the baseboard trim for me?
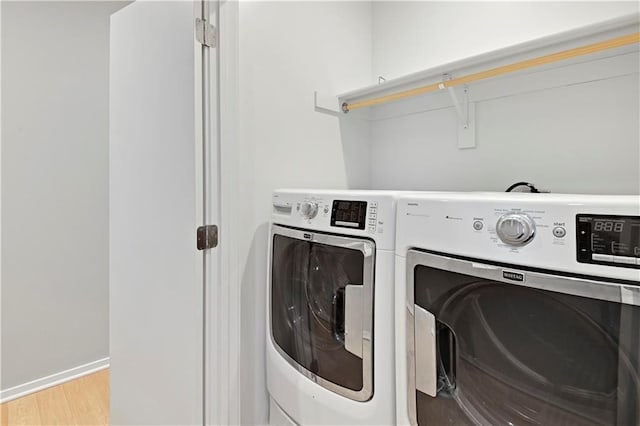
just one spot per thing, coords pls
(52, 380)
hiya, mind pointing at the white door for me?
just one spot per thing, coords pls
(161, 165)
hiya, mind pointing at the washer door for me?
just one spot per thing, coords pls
(320, 286)
(507, 353)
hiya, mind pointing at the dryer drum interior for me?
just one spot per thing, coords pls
(309, 283)
(511, 354)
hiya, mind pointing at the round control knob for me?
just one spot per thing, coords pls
(309, 209)
(516, 229)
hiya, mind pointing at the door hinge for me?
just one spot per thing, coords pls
(205, 33)
(207, 237)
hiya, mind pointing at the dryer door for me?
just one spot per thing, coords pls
(543, 349)
(321, 308)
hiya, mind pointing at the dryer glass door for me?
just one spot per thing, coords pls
(321, 308)
(544, 349)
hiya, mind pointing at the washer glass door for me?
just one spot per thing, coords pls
(517, 353)
(321, 310)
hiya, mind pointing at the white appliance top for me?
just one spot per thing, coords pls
(595, 235)
(363, 213)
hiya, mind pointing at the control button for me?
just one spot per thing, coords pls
(477, 225)
(602, 257)
(326, 209)
(559, 232)
(624, 259)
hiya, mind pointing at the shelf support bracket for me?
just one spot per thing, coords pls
(466, 112)
(326, 104)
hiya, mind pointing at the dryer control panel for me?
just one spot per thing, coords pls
(585, 234)
(608, 240)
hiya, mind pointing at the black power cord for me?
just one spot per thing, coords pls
(532, 187)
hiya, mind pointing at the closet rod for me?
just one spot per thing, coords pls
(505, 69)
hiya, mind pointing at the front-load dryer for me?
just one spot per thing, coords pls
(330, 335)
(518, 309)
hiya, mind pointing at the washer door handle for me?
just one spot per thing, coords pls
(353, 319)
(425, 351)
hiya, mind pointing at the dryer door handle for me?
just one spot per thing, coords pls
(353, 319)
(425, 351)
(337, 324)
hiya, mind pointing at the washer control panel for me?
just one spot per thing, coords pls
(309, 209)
(608, 240)
(373, 217)
(363, 213)
(349, 214)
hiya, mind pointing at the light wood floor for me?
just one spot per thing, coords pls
(83, 401)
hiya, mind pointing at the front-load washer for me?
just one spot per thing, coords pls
(330, 336)
(518, 309)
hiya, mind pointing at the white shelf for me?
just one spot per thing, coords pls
(543, 46)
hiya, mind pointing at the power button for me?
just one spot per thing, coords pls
(477, 225)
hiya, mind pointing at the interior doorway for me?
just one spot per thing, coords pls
(55, 211)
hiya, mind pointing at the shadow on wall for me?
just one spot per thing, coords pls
(355, 133)
(253, 296)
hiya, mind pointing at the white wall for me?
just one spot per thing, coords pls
(581, 138)
(0, 197)
(54, 187)
(288, 50)
(574, 129)
(410, 36)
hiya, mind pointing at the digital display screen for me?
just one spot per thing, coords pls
(607, 226)
(608, 239)
(349, 214)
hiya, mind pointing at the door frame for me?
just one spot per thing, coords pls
(222, 375)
